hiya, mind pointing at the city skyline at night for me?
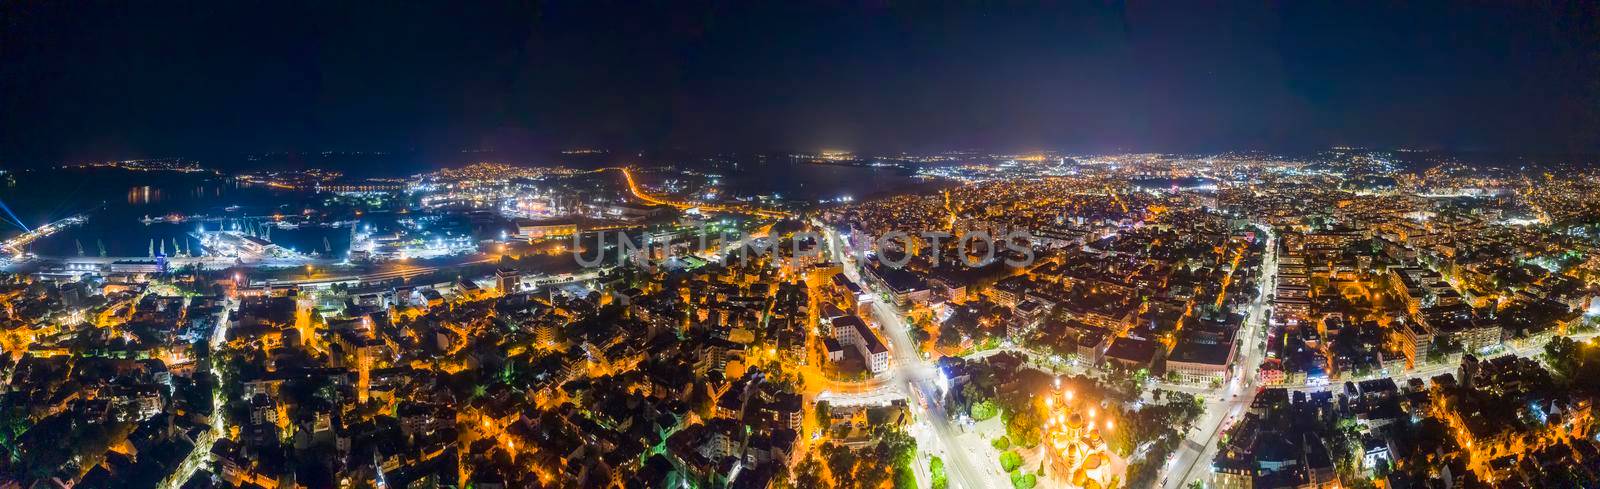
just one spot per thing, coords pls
(791, 245)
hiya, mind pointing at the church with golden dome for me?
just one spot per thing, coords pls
(1074, 451)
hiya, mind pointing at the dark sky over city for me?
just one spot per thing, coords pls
(144, 79)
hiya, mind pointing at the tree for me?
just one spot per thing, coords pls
(984, 410)
(1141, 378)
(13, 423)
(1575, 364)
(936, 472)
(1022, 425)
(949, 337)
(1010, 460)
(1001, 443)
(870, 475)
(808, 475)
(842, 464)
(1024, 480)
(972, 392)
(919, 335)
(904, 478)
(896, 448)
(1562, 354)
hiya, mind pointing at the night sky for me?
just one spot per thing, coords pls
(141, 79)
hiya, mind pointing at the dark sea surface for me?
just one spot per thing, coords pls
(810, 181)
(117, 201)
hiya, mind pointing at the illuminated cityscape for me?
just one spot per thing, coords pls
(574, 264)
